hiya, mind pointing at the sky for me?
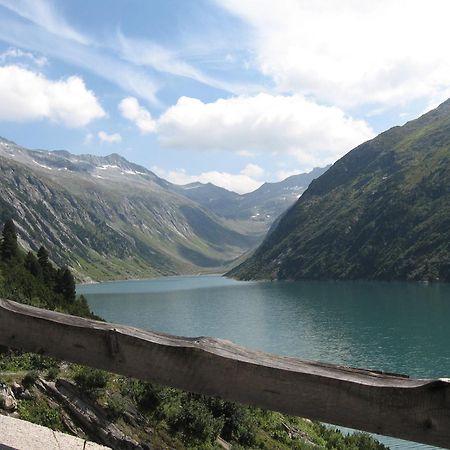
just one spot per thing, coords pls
(233, 92)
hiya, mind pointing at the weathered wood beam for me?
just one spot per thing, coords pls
(392, 405)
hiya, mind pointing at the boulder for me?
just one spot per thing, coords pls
(8, 401)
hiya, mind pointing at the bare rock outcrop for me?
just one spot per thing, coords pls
(89, 415)
(8, 401)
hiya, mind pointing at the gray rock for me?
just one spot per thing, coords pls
(8, 401)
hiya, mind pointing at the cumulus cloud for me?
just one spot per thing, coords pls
(131, 110)
(253, 170)
(245, 181)
(314, 134)
(26, 95)
(351, 52)
(109, 138)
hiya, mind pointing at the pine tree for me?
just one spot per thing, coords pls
(31, 263)
(65, 284)
(9, 247)
(48, 271)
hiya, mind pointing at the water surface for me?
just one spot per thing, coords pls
(395, 327)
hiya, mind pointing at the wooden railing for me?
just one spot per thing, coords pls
(392, 405)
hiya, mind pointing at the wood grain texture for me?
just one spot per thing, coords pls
(393, 405)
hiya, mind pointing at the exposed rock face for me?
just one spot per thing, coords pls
(108, 218)
(91, 417)
(8, 401)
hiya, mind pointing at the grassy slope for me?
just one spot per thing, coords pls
(380, 212)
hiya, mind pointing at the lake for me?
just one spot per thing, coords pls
(395, 327)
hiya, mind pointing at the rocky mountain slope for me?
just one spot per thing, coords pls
(261, 207)
(380, 212)
(109, 218)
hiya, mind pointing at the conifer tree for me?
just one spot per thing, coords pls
(48, 271)
(31, 263)
(9, 247)
(65, 284)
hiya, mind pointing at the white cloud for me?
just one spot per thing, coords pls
(283, 174)
(236, 182)
(253, 171)
(131, 110)
(41, 13)
(41, 32)
(315, 134)
(109, 138)
(17, 53)
(351, 52)
(143, 52)
(26, 95)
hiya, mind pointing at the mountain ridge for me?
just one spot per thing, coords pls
(117, 218)
(380, 212)
(262, 206)
(118, 221)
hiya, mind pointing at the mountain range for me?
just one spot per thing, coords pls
(380, 212)
(109, 218)
(261, 206)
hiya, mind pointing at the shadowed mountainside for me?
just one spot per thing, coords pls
(380, 212)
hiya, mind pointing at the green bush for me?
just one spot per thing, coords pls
(91, 381)
(52, 373)
(38, 411)
(196, 422)
(239, 423)
(148, 396)
(29, 379)
(116, 405)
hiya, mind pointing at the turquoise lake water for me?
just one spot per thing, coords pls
(395, 327)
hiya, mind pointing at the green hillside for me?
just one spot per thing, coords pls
(380, 212)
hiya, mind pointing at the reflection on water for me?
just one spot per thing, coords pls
(395, 327)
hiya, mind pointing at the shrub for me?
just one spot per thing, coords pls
(29, 379)
(52, 373)
(148, 396)
(38, 411)
(91, 381)
(196, 422)
(239, 424)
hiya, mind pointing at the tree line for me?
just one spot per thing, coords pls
(33, 279)
(60, 280)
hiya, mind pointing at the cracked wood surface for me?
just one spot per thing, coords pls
(392, 405)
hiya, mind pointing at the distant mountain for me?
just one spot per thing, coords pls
(261, 206)
(109, 218)
(380, 212)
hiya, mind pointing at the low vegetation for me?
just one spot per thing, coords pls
(152, 415)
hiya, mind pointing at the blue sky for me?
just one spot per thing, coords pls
(235, 92)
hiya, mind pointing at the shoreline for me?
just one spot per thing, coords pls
(123, 280)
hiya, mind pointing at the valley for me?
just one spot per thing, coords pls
(111, 219)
